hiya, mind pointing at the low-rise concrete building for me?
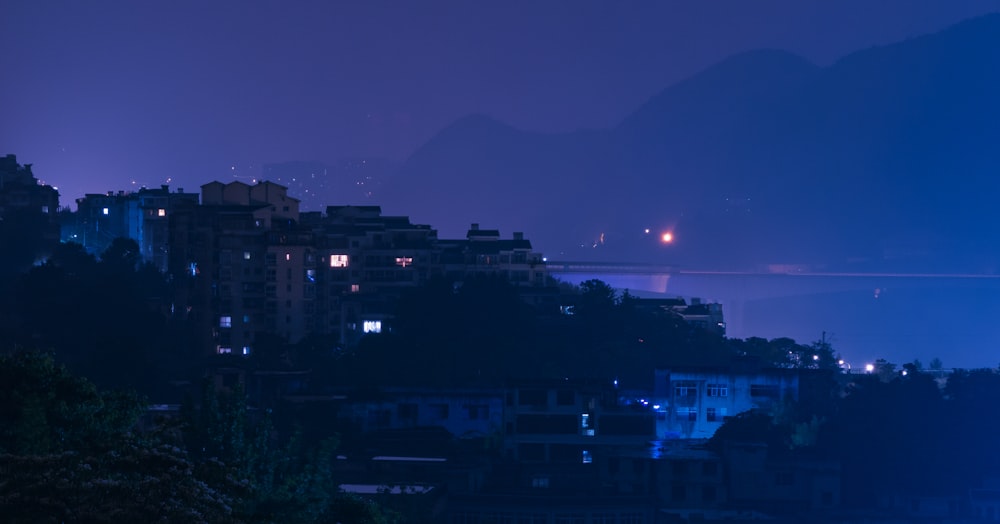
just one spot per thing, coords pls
(694, 403)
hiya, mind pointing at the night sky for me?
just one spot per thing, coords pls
(114, 95)
(103, 96)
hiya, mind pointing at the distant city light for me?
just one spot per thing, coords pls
(869, 368)
(667, 237)
(646, 230)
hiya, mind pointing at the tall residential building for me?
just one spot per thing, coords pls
(32, 205)
(250, 263)
(141, 215)
(218, 252)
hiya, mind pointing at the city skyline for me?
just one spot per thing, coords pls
(120, 96)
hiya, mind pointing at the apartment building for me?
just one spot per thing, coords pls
(251, 263)
(30, 203)
(141, 215)
(694, 403)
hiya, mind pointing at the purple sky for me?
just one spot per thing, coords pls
(97, 94)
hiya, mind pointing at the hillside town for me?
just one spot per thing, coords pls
(368, 366)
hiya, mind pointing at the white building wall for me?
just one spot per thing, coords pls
(694, 404)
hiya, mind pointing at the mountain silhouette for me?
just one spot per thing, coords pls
(885, 159)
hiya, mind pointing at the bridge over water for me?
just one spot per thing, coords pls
(890, 315)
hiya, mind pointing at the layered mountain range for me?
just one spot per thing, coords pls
(886, 159)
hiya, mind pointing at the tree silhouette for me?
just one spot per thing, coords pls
(68, 453)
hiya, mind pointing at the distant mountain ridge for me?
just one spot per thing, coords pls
(886, 158)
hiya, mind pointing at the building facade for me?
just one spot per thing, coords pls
(29, 207)
(694, 403)
(141, 215)
(250, 263)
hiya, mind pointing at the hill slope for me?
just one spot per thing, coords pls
(886, 158)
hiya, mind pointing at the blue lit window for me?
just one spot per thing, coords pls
(225, 322)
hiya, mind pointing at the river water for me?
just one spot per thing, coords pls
(898, 317)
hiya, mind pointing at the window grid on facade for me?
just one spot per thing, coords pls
(690, 414)
(685, 389)
(631, 518)
(717, 390)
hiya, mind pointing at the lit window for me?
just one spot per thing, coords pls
(246, 319)
(587, 458)
(225, 322)
(338, 260)
(224, 351)
(105, 211)
(161, 212)
(246, 255)
(288, 256)
(45, 209)
(372, 326)
(404, 261)
(355, 288)
(310, 275)
(246, 350)
(585, 420)
(717, 390)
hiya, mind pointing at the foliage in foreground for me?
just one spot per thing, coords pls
(71, 453)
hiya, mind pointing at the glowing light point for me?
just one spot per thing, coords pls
(869, 368)
(667, 237)
(646, 230)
